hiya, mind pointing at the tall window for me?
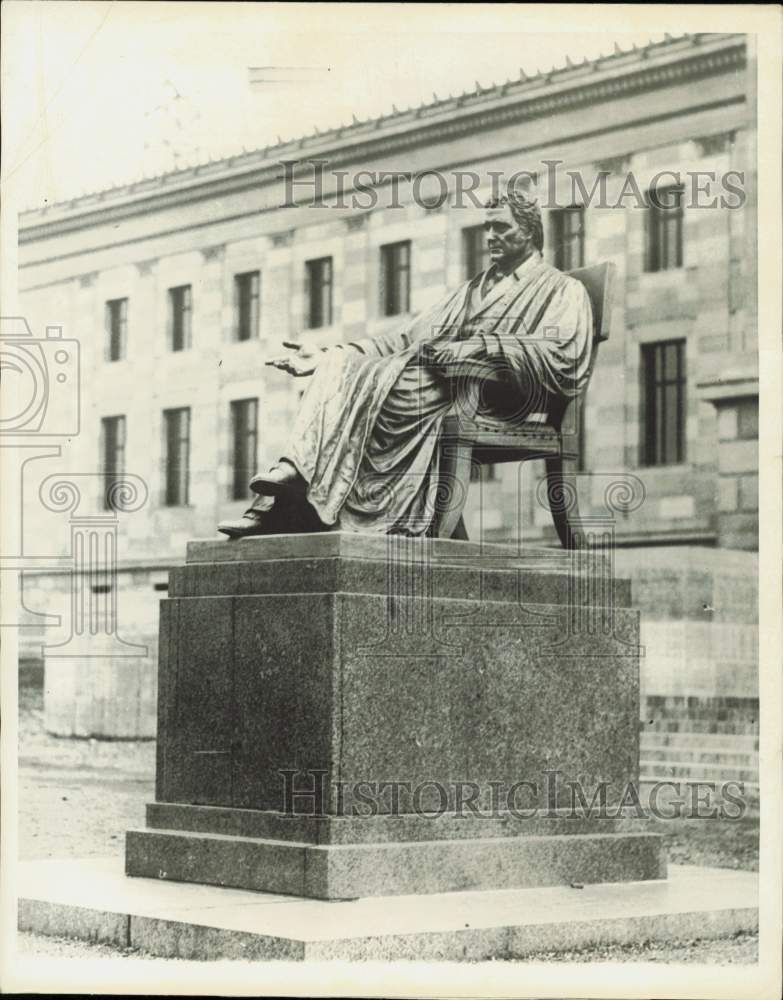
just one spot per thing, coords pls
(176, 426)
(180, 309)
(748, 419)
(319, 292)
(483, 473)
(396, 278)
(112, 453)
(244, 433)
(475, 252)
(663, 403)
(664, 228)
(116, 329)
(581, 437)
(246, 288)
(568, 237)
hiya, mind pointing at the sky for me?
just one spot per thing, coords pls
(103, 93)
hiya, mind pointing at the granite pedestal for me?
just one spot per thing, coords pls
(346, 716)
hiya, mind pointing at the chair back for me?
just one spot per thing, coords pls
(500, 395)
(598, 280)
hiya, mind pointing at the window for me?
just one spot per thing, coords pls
(244, 434)
(483, 473)
(116, 329)
(246, 287)
(319, 292)
(663, 403)
(581, 437)
(177, 456)
(664, 229)
(112, 453)
(180, 309)
(396, 278)
(475, 253)
(748, 419)
(568, 237)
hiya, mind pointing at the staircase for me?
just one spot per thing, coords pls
(700, 756)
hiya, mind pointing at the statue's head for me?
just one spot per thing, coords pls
(513, 225)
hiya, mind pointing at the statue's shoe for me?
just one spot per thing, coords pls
(278, 481)
(251, 523)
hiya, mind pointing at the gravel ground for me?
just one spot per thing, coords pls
(742, 949)
(712, 843)
(77, 798)
(30, 945)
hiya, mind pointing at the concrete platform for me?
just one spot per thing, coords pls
(93, 900)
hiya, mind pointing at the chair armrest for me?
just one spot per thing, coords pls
(483, 371)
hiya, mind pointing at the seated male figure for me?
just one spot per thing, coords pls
(363, 450)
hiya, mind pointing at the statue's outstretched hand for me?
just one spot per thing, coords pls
(300, 362)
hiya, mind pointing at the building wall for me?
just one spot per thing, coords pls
(204, 228)
(68, 276)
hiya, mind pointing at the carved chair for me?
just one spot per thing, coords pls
(550, 433)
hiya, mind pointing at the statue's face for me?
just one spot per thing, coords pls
(506, 238)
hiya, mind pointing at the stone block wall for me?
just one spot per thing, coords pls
(106, 695)
(699, 627)
(738, 480)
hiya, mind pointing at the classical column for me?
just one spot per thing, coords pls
(591, 579)
(93, 590)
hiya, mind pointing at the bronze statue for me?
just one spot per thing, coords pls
(363, 452)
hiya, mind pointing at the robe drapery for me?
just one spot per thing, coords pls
(366, 435)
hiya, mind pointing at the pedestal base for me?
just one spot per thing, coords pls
(383, 856)
(304, 677)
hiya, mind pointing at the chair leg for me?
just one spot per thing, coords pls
(460, 533)
(564, 502)
(453, 484)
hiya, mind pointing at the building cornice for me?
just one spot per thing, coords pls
(151, 564)
(729, 387)
(625, 74)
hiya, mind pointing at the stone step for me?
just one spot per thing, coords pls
(675, 754)
(357, 829)
(712, 742)
(689, 769)
(531, 585)
(687, 789)
(360, 870)
(709, 727)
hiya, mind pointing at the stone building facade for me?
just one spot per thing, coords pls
(178, 288)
